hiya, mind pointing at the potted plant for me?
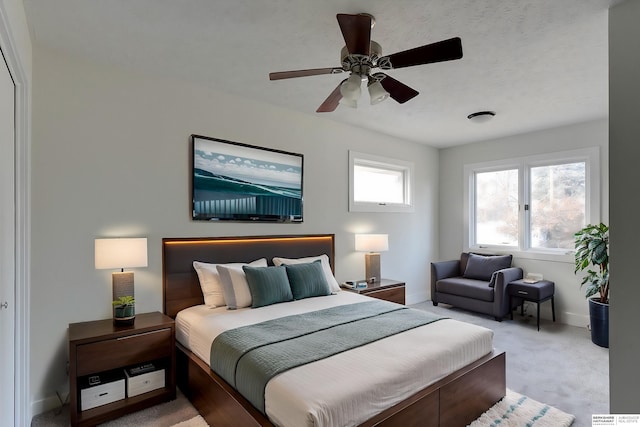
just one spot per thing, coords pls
(124, 310)
(592, 254)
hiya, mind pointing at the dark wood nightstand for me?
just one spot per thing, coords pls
(386, 289)
(99, 347)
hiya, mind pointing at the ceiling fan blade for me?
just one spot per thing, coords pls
(399, 91)
(279, 75)
(356, 30)
(332, 101)
(445, 50)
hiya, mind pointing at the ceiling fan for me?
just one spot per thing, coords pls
(361, 55)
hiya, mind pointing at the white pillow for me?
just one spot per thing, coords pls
(210, 280)
(326, 267)
(235, 286)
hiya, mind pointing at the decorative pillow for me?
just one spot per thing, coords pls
(326, 267)
(210, 280)
(482, 267)
(267, 285)
(307, 280)
(234, 286)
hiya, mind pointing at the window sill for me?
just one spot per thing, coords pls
(565, 256)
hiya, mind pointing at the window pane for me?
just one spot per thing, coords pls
(557, 204)
(497, 207)
(378, 185)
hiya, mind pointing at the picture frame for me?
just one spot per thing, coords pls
(232, 181)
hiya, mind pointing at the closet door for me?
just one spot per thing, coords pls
(7, 245)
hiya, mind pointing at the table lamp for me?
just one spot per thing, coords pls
(373, 244)
(121, 253)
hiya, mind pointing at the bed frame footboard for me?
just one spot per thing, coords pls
(455, 400)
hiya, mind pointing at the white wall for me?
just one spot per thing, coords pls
(571, 306)
(111, 158)
(624, 104)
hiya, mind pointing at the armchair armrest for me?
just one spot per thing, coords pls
(507, 275)
(442, 270)
(501, 300)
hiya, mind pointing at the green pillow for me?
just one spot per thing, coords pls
(307, 280)
(267, 285)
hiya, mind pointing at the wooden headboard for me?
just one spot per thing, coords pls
(180, 286)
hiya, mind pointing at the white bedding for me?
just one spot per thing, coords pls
(350, 387)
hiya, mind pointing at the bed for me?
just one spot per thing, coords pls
(456, 396)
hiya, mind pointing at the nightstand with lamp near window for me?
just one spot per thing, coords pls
(374, 286)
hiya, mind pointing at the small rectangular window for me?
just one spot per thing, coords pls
(378, 184)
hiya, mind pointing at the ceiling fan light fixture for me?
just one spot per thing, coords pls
(351, 103)
(350, 89)
(481, 116)
(377, 92)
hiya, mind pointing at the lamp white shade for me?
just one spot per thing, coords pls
(372, 242)
(120, 253)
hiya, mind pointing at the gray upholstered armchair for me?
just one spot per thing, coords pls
(475, 282)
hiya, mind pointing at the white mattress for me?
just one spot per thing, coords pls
(351, 387)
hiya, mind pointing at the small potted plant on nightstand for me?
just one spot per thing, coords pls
(124, 311)
(592, 250)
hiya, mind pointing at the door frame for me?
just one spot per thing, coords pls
(16, 64)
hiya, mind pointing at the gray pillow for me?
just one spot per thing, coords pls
(482, 267)
(268, 285)
(307, 280)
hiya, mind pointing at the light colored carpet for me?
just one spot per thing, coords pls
(516, 410)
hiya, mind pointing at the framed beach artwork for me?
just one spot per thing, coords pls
(232, 181)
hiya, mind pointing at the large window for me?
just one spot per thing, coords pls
(532, 204)
(378, 184)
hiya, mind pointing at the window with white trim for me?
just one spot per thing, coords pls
(379, 184)
(532, 204)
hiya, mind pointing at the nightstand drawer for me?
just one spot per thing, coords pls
(118, 352)
(391, 294)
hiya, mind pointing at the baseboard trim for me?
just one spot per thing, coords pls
(574, 319)
(416, 297)
(44, 405)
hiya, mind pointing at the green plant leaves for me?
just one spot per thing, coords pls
(592, 249)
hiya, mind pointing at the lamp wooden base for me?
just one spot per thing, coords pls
(372, 266)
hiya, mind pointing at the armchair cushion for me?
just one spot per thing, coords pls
(483, 267)
(469, 288)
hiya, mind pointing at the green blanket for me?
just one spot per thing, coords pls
(249, 356)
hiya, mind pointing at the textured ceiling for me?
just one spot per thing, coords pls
(537, 63)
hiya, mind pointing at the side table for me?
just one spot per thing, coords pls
(540, 291)
(99, 346)
(385, 289)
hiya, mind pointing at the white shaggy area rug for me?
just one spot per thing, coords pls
(516, 410)
(193, 422)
